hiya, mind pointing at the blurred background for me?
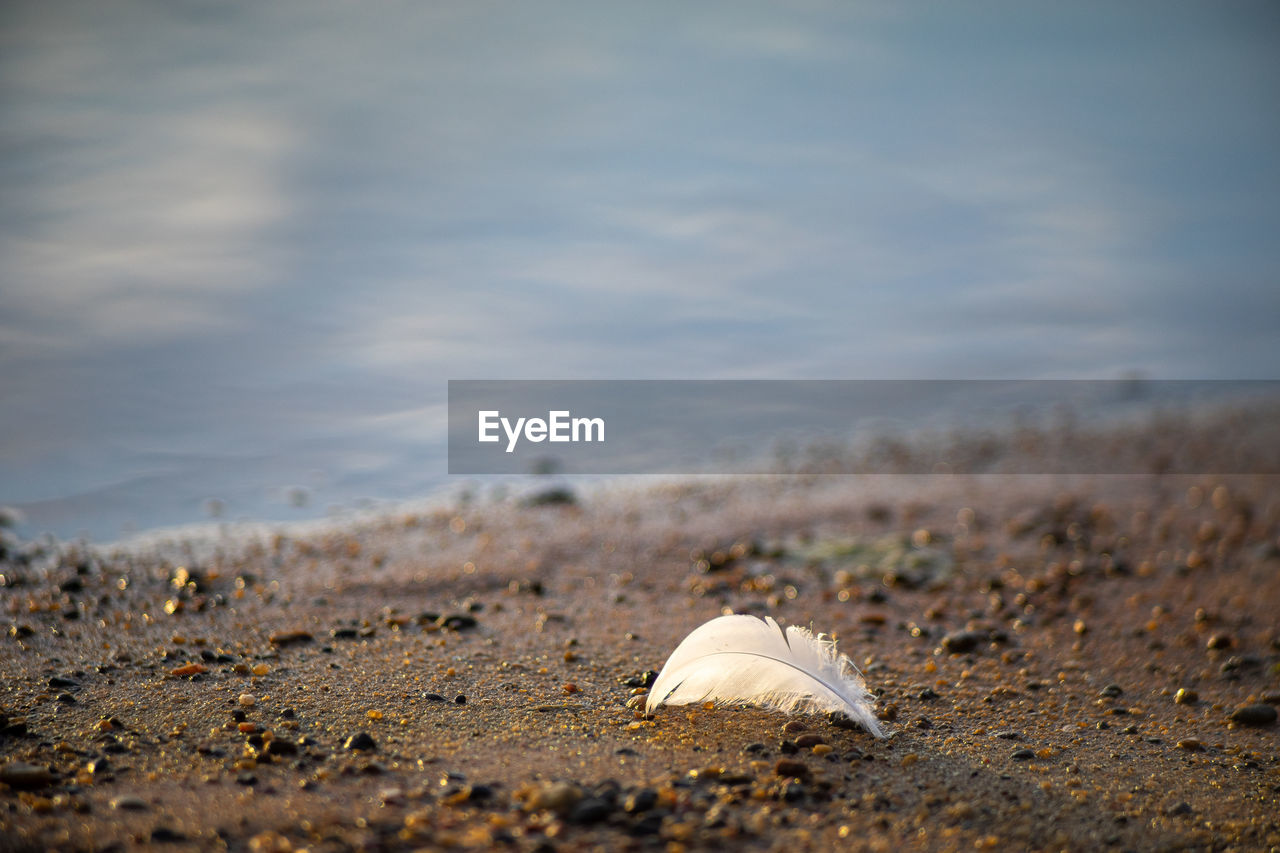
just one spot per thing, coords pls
(244, 245)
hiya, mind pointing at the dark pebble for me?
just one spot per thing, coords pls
(433, 697)
(1254, 715)
(1111, 691)
(479, 793)
(1008, 734)
(789, 768)
(554, 496)
(927, 694)
(129, 802)
(288, 714)
(290, 638)
(793, 791)
(20, 775)
(841, 720)
(246, 778)
(640, 801)
(1221, 641)
(650, 824)
(755, 747)
(590, 810)
(343, 633)
(361, 741)
(165, 835)
(808, 741)
(1023, 755)
(458, 622)
(238, 715)
(279, 747)
(66, 699)
(460, 699)
(60, 681)
(643, 679)
(959, 642)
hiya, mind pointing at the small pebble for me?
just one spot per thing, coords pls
(1022, 755)
(554, 796)
(261, 669)
(1111, 691)
(19, 774)
(640, 801)
(458, 622)
(189, 669)
(1186, 697)
(361, 741)
(791, 769)
(128, 802)
(590, 810)
(248, 700)
(959, 642)
(290, 638)
(1254, 715)
(1221, 641)
(278, 747)
(1190, 744)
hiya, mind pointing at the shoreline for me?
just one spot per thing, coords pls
(1025, 638)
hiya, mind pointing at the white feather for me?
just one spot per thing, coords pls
(744, 660)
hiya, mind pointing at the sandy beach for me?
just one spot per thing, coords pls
(1060, 662)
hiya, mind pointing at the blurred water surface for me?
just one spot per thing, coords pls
(244, 245)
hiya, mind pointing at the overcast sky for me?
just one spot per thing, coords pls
(246, 244)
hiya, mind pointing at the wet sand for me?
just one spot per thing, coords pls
(1061, 663)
